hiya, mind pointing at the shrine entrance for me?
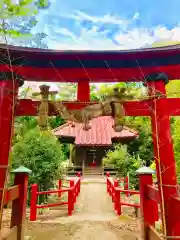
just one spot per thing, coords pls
(154, 67)
(93, 157)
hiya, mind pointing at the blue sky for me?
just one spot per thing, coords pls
(109, 24)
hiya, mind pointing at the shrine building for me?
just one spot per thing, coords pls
(91, 146)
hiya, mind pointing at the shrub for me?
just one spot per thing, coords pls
(124, 162)
(42, 153)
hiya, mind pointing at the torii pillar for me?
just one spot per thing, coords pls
(163, 150)
(8, 95)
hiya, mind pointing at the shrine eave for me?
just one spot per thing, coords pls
(96, 66)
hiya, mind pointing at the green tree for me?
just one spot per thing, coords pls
(42, 153)
(142, 145)
(176, 141)
(18, 18)
(124, 162)
(22, 126)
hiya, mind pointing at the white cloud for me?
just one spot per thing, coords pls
(93, 39)
(135, 38)
(66, 32)
(163, 33)
(136, 16)
(99, 35)
(106, 19)
(87, 39)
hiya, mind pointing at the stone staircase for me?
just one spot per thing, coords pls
(93, 171)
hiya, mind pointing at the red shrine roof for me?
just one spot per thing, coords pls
(101, 132)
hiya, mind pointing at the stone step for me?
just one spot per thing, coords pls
(91, 174)
(89, 171)
(98, 172)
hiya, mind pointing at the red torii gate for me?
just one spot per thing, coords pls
(155, 65)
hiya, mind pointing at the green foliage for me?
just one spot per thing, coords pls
(104, 90)
(67, 91)
(10, 8)
(176, 141)
(124, 162)
(42, 153)
(22, 126)
(165, 43)
(173, 89)
(143, 145)
(18, 19)
(56, 121)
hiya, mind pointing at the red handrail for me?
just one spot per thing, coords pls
(73, 191)
(114, 191)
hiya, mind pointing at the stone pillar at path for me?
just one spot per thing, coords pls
(163, 151)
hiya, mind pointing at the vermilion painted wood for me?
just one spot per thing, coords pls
(27, 107)
(134, 108)
(95, 74)
(175, 210)
(11, 194)
(71, 198)
(83, 91)
(6, 121)
(19, 204)
(148, 207)
(98, 66)
(73, 192)
(115, 191)
(162, 142)
(33, 208)
(153, 193)
(115, 194)
(118, 202)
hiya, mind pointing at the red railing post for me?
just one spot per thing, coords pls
(33, 203)
(108, 174)
(71, 198)
(115, 194)
(113, 190)
(72, 183)
(59, 187)
(146, 205)
(78, 174)
(118, 202)
(79, 185)
(18, 214)
(107, 185)
(107, 181)
(75, 191)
